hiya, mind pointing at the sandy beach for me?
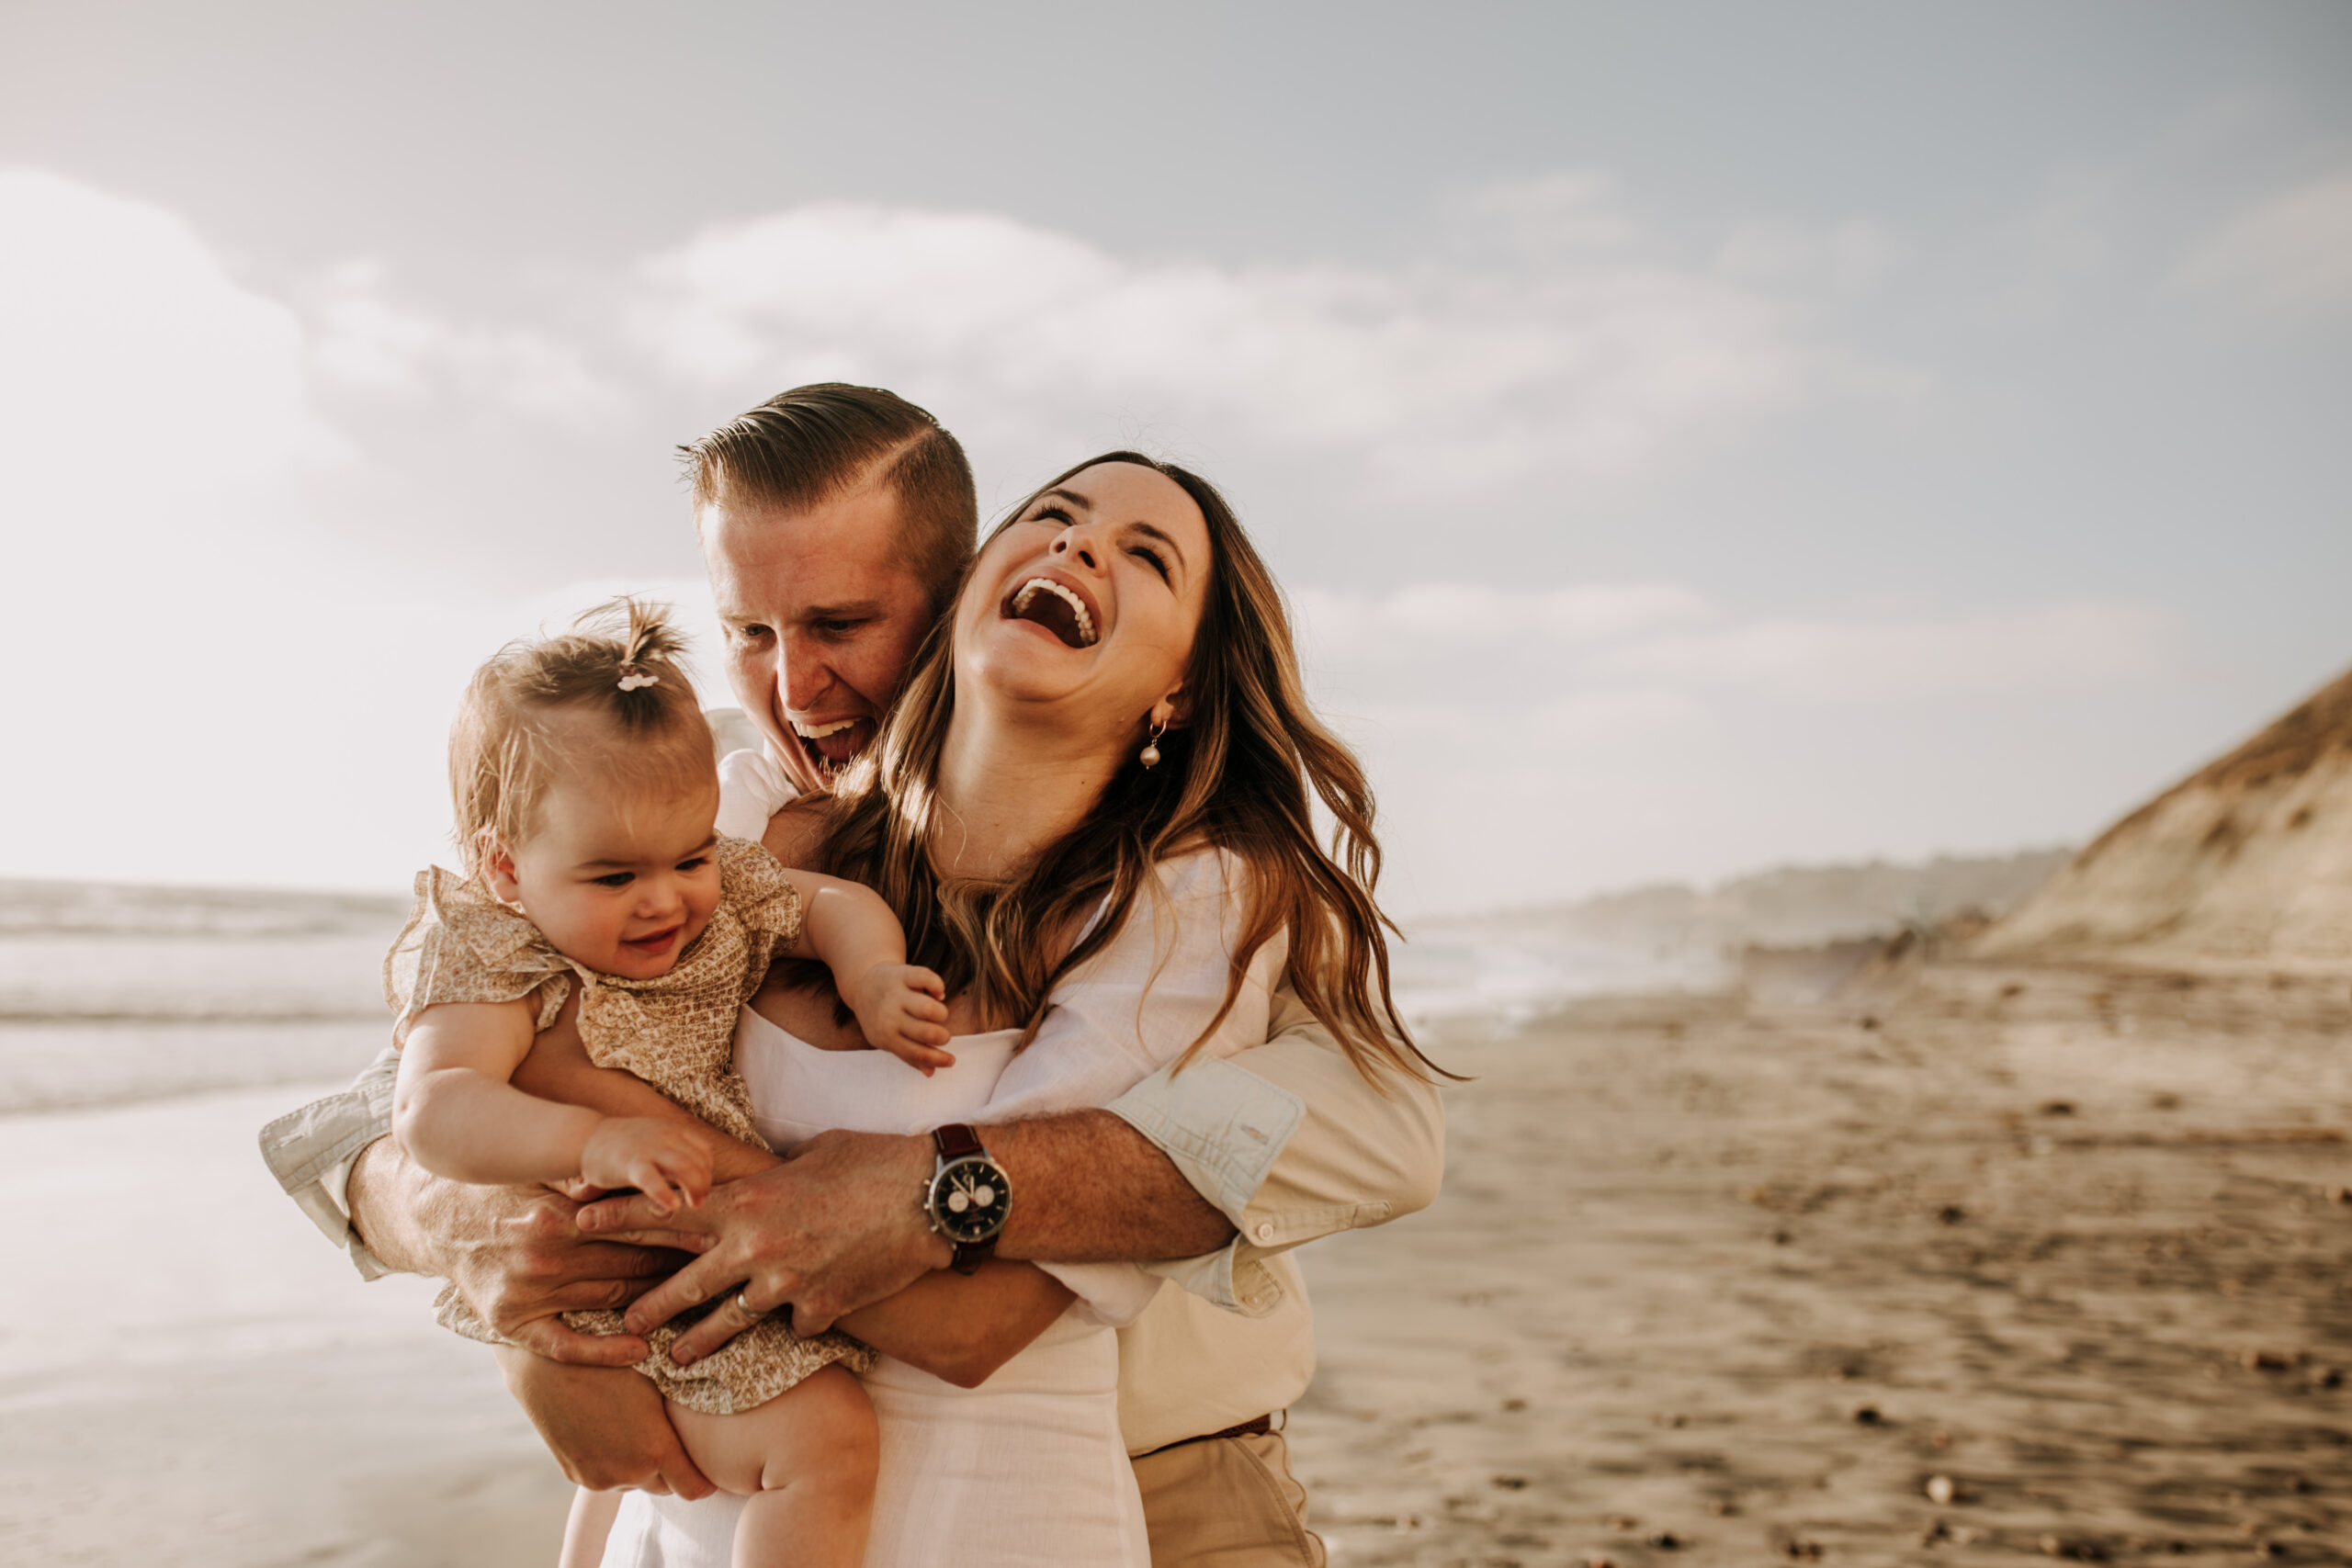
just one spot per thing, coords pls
(1711, 1282)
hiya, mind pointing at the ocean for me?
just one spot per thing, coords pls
(116, 996)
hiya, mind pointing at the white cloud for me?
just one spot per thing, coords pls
(1532, 644)
(364, 339)
(1408, 622)
(1568, 350)
(1844, 256)
(2292, 250)
(216, 675)
(256, 686)
(132, 358)
(2062, 647)
(1529, 742)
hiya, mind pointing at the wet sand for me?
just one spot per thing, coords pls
(190, 1375)
(1994, 1262)
(1710, 1283)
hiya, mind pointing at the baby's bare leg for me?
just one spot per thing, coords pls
(806, 1459)
(584, 1534)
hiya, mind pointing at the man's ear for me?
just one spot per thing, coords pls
(497, 862)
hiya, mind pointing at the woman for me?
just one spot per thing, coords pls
(1090, 809)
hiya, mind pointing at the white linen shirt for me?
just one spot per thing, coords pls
(1288, 1140)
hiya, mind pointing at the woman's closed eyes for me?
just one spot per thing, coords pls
(1146, 553)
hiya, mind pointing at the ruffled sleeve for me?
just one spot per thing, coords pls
(462, 945)
(755, 886)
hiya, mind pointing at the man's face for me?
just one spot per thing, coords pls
(822, 618)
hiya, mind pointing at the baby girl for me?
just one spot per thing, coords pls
(585, 790)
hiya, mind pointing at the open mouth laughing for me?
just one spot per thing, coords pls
(1056, 607)
(832, 746)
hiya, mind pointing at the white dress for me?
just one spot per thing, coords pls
(1027, 1471)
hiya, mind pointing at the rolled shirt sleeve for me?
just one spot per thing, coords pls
(311, 1151)
(1290, 1142)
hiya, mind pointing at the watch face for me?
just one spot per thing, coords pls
(969, 1200)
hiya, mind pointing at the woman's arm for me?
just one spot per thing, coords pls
(606, 1428)
(963, 1327)
(955, 1327)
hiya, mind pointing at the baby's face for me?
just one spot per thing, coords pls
(620, 882)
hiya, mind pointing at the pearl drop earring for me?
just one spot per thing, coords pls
(1151, 747)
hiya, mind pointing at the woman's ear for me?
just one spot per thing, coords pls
(497, 862)
(1171, 711)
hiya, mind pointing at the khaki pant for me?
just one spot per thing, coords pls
(1226, 1502)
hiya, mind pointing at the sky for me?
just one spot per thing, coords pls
(1695, 437)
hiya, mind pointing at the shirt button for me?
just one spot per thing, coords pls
(1265, 1230)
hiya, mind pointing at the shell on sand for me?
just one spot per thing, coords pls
(2247, 864)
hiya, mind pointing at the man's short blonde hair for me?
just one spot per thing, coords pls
(803, 447)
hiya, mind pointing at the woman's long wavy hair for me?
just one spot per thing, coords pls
(1235, 776)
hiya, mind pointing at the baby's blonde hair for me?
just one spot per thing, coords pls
(620, 666)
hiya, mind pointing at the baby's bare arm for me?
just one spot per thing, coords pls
(901, 1008)
(559, 1068)
(456, 1112)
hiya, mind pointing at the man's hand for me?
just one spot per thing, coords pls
(605, 1425)
(838, 1226)
(513, 1252)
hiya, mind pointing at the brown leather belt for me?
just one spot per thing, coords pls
(1258, 1428)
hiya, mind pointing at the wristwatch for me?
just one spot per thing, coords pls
(968, 1197)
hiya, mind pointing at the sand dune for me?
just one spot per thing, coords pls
(2247, 863)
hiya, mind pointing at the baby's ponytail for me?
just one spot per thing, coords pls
(623, 660)
(650, 648)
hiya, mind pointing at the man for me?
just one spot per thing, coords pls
(835, 522)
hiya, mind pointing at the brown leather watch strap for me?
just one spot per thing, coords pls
(955, 1141)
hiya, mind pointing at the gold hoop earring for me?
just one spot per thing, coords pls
(1151, 747)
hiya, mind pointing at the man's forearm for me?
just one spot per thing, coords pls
(393, 1201)
(1088, 1188)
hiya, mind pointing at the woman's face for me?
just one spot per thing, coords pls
(1086, 604)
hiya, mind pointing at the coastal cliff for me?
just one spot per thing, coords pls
(2247, 863)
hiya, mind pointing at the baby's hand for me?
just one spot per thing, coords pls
(902, 1009)
(661, 1159)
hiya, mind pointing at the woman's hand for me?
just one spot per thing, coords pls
(667, 1162)
(605, 1426)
